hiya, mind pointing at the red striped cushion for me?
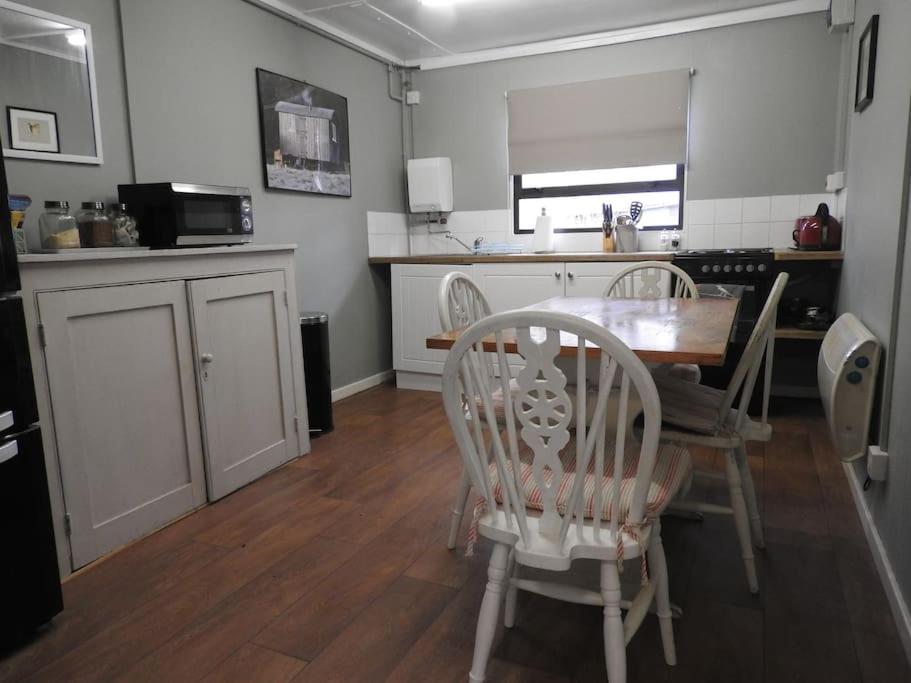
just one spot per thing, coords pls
(672, 466)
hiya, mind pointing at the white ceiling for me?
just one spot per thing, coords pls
(412, 31)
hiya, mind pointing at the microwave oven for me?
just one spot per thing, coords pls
(185, 215)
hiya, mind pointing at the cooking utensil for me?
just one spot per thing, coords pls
(635, 211)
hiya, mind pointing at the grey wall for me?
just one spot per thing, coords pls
(878, 148)
(763, 108)
(43, 180)
(192, 91)
(33, 80)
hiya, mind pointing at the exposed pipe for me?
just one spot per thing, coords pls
(407, 146)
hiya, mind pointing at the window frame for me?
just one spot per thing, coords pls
(518, 193)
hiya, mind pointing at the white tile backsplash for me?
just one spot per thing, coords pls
(809, 202)
(727, 235)
(757, 209)
(781, 234)
(785, 207)
(699, 236)
(728, 211)
(754, 235)
(699, 212)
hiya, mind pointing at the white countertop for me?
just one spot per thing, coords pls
(82, 255)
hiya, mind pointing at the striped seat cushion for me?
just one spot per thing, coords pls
(672, 467)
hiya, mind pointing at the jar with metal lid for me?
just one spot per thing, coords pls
(125, 233)
(95, 227)
(57, 227)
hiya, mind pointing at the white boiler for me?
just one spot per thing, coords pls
(430, 185)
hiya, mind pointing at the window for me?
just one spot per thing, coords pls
(574, 198)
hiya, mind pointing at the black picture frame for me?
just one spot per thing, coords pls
(11, 138)
(303, 131)
(866, 65)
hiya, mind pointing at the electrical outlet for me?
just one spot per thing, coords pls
(412, 97)
(877, 463)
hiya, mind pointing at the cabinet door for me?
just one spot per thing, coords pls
(120, 369)
(415, 315)
(516, 285)
(243, 349)
(590, 279)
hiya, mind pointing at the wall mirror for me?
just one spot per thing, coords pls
(48, 94)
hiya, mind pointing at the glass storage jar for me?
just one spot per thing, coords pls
(125, 233)
(57, 227)
(95, 227)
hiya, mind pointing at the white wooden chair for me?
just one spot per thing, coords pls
(697, 414)
(646, 280)
(556, 486)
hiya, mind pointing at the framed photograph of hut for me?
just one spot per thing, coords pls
(304, 136)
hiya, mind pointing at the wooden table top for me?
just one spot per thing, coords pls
(658, 330)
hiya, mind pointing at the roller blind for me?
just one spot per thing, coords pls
(614, 123)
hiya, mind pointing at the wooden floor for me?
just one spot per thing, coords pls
(334, 568)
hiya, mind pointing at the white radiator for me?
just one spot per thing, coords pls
(847, 369)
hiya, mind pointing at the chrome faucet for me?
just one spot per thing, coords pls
(477, 243)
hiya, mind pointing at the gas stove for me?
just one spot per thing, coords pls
(741, 263)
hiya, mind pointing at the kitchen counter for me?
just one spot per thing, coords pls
(83, 255)
(583, 256)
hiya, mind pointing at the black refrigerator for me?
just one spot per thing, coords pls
(30, 592)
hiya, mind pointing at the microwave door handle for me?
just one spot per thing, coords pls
(8, 451)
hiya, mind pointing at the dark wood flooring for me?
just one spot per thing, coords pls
(334, 568)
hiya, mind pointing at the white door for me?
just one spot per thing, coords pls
(516, 285)
(120, 368)
(243, 350)
(415, 315)
(590, 279)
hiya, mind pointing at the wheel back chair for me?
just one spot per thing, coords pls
(698, 414)
(556, 482)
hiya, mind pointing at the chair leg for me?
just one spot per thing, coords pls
(490, 612)
(658, 564)
(614, 640)
(512, 591)
(749, 494)
(741, 519)
(458, 509)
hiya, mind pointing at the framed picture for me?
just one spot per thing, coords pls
(866, 65)
(32, 130)
(304, 136)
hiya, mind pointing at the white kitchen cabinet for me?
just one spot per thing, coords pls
(120, 367)
(158, 373)
(415, 313)
(516, 285)
(590, 279)
(243, 355)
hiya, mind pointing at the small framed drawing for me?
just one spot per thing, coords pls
(866, 65)
(33, 130)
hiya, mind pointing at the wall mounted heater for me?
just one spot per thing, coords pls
(847, 368)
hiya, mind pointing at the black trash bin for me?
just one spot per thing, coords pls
(315, 337)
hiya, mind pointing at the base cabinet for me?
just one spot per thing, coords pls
(244, 363)
(120, 369)
(158, 396)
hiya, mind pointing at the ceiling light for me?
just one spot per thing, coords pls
(76, 38)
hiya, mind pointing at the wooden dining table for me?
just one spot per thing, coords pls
(693, 331)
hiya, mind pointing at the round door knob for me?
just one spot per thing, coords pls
(206, 357)
(558, 274)
(570, 275)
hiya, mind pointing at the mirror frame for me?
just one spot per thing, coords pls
(98, 157)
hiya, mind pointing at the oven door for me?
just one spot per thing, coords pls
(210, 215)
(18, 407)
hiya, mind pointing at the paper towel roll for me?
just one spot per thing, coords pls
(544, 233)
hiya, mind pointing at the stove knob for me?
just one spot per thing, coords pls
(738, 268)
(750, 267)
(716, 268)
(706, 268)
(727, 267)
(761, 268)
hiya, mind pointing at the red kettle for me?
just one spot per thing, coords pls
(819, 231)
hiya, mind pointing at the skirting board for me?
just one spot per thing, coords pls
(897, 602)
(361, 385)
(418, 381)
